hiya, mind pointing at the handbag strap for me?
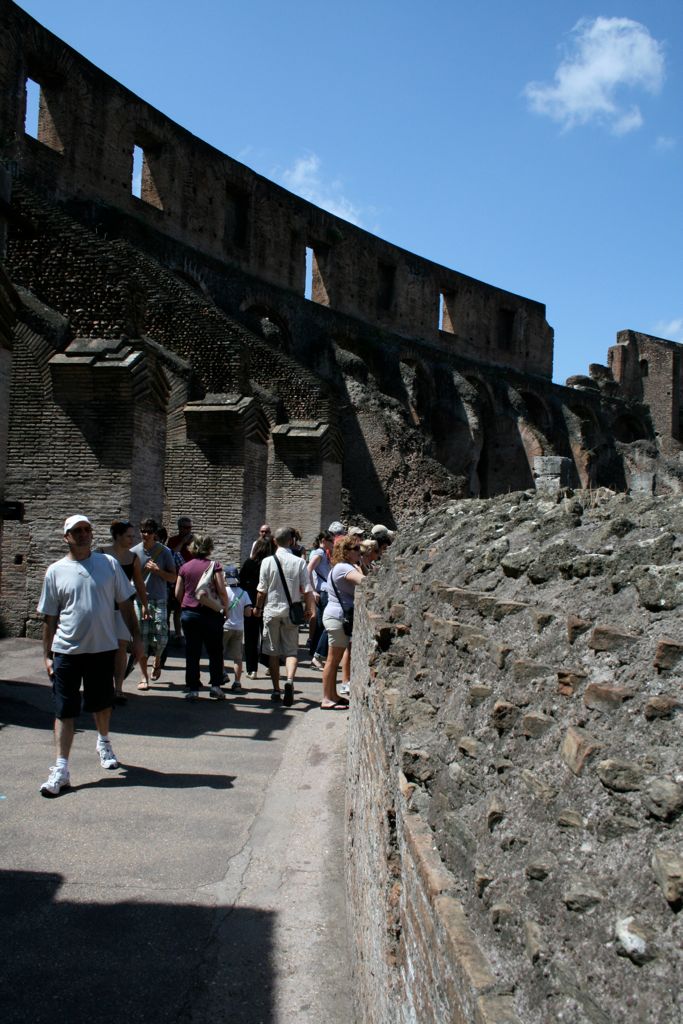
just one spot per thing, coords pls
(284, 581)
(330, 579)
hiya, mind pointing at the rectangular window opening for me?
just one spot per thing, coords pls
(236, 218)
(308, 285)
(445, 312)
(506, 325)
(138, 160)
(32, 119)
(386, 274)
(143, 185)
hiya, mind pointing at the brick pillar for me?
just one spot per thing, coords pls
(304, 477)
(216, 471)
(92, 418)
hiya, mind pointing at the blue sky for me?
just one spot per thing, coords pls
(536, 146)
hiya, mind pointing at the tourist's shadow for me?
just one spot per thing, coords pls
(136, 775)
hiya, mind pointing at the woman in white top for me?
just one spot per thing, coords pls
(342, 581)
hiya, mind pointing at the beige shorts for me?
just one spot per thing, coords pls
(280, 636)
(232, 644)
(335, 632)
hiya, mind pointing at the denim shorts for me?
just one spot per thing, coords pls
(94, 671)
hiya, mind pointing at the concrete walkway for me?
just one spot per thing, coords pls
(201, 882)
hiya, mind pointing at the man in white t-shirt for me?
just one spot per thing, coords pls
(280, 635)
(79, 599)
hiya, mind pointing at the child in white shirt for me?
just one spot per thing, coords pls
(239, 605)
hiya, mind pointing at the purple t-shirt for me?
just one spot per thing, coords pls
(191, 573)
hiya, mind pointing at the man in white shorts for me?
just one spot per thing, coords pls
(280, 635)
(79, 599)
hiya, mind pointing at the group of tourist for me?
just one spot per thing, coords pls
(106, 608)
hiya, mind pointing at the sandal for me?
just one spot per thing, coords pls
(156, 672)
(337, 706)
(143, 685)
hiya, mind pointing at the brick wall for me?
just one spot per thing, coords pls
(89, 127)
(417, 961)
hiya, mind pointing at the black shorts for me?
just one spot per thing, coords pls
(95, 671)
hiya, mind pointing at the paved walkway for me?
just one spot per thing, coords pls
(202, 882)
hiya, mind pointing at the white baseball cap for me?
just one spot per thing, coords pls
(336, 527)
(74, 521)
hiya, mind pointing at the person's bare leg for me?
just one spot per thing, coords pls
(274, 669)
(65, 729)
(334, 656)
(144, 681)
(102, 721)
(237, 665)
(346, 666)
(291, 666)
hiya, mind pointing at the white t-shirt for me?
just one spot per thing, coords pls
(83, 594)
(270, 582)
(238, 600)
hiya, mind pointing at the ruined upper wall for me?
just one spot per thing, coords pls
(87, 130)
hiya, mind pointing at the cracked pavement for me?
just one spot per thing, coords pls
(202, 882)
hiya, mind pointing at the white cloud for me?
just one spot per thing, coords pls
(672, 330)
(607, 56)
(305, 179)
(664, 143)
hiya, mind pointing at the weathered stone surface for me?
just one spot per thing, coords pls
(581, 896)
(569, 818)
(539, 868)
(568, 680)
(538, 786)
(635, 940)
(669, 652)
(578, 747)
(535, 724)
(667, 867)
(495, 812)
(576, 626)
(662, 706)
(605, 698)
(504, 715)
(621, 776)
(609, 638)
(479, 693)
(663, 799)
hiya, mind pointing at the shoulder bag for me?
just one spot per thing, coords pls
(206, 592)
(296, 608)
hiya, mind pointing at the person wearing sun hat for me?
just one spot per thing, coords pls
(80, 595)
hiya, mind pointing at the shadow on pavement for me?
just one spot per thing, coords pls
(160, 713)
(91, 963)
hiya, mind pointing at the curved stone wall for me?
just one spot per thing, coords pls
(515, 833)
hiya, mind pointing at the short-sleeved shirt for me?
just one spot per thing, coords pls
(346, 590)
(322, 569)
(191, 573)
(157, 589)
(238, 600)
(83, 595)
(270, 582)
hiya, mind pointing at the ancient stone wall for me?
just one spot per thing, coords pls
(515, 787)
(88, 129)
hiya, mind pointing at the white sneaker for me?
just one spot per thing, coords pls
(107, 755)
(252, 675)
(344, 688)
(57, 780)
(317, 663)
(216, 693)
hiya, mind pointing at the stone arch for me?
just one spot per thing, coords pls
(534, 426)
(483, 405)
(418, 385)
(585, 438)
